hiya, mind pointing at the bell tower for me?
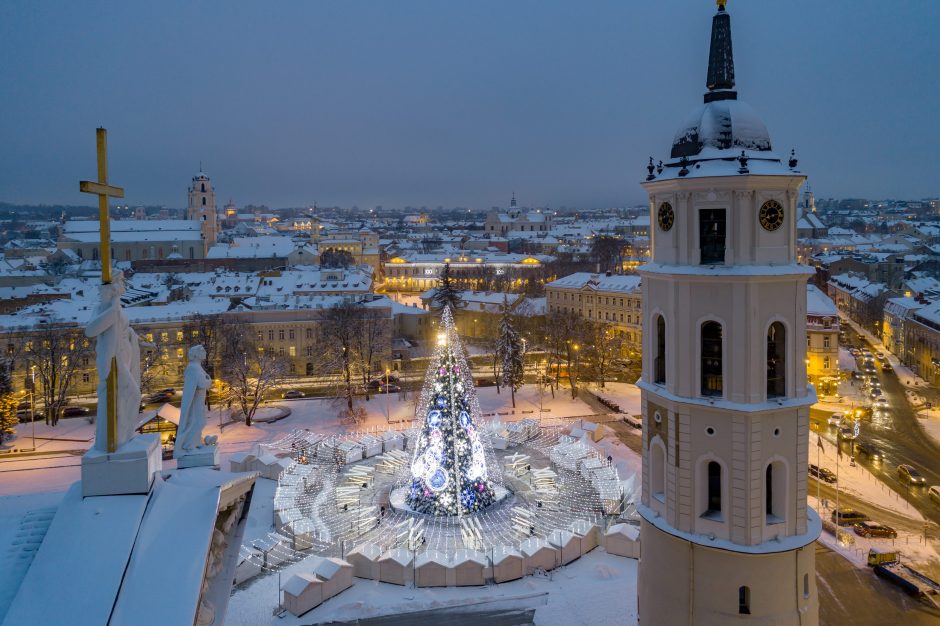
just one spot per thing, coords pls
(726, 533)
(201, 207)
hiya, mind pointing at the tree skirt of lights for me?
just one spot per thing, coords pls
(400, 501)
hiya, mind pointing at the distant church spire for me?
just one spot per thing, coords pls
(720, 80)
(512, 203)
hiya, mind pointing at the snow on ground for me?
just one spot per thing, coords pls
(930, 422)
(598, 589)
(855, 549)
(624, 395)
(858, 481)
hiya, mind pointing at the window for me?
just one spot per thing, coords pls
(775, 492)
(659, 360)
(806, 586)
(85, 378)
(260, 335)
(711, 236)
(744, 600)
(203, 201)
(711, 359)
(714, 490)
(292, 351)
(270, 335)
(827, 341)
(827, 363)
(309, 369)
(658, 468)
(290, 333)
(309, 333)
(776, 361)
(280, 334)
(179, 335)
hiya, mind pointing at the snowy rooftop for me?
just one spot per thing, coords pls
(597, 282)
(818, 303)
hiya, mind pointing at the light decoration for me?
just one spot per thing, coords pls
(449, 468)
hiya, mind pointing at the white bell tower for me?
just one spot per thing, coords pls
(201, 207)
(726, 533)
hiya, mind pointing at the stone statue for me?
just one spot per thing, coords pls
(193, 407)
(115, 339)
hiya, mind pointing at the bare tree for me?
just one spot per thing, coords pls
(207, 331)
(339, 331)
(56, 353)
(153, 364)
(248, 369)
(372, 340)
(603, 346)
(564, 343)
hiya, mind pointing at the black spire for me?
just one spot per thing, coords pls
(720, 81)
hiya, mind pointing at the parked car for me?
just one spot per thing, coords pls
(168, 390)
(934, 493)
(390, 388)
(26, 416)
(874, 529)
(847, 517)
(75, 411)
(485, 382)
(909, 474)
(160, 396)
(866, 449)
(836, 419)
(821, 473)
(293, 394)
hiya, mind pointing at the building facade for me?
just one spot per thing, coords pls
(726, 532)
(822, 340)
(614, 300)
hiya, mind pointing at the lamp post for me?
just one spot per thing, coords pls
(387, 414)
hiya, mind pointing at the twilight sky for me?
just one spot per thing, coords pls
(433, 103)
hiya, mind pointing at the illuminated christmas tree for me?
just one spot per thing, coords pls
(449, 468)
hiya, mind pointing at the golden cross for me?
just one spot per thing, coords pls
(103, 190)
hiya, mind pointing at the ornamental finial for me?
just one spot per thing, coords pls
(721, 4)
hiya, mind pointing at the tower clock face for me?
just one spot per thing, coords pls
(665, 216)
(771, 215)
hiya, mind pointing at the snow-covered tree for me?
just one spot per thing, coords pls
(449, 467)
(510, 351)
(8, 418)
(447, 294)
(249, 370)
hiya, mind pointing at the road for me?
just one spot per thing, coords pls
(900, 439)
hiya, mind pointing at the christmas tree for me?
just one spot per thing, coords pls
(449, 468)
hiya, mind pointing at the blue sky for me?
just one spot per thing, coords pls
(454, 104)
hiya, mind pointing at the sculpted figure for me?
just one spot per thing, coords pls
(193, 407)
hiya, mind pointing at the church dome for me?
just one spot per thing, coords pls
(724, 126)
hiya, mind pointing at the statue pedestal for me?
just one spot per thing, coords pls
(202, 456)
(128, 470)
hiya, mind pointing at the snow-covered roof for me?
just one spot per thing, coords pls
(597, 282)
(818, 303)
(721, 128)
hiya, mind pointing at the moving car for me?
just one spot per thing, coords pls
(881, 402)
(821, 473)
(934, 493)
(875, 392)
(836, 419)
(293, 394)
(848, 433)
(75, 411)
(886, 367)
(848, 517)
(866, 449)
(909, 474)
(874, 529)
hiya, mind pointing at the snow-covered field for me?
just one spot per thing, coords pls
(930, 422)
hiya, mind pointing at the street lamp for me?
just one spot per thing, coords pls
(387, 415)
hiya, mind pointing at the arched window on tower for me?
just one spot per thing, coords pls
(658, 469)
(714, 490)
(203, 201)
(775, 492)
(659, 358)
(203, 190)
(776, 360)
(711, 359)
(744, 600)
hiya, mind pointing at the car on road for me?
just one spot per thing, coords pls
(874, 383)
(863, 448)
(848, 517)
(848, 433)
(75, 411)
(821, 473)
(292, 394)
(880, 355)
(160, 396)
(909, 474)
(836, 419)
(934, 493)
(855, 352)
(875, 392)
(874, 529)
(856, 375)
(881, 402)
(886, 367)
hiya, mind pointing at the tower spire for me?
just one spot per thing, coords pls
(720, 81)
(512, 203)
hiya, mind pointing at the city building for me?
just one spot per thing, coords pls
(417, 272)
(613, 299)
(822, 340)
(726, 532)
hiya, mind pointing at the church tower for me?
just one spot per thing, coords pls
(726, 533)
(202, 207)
